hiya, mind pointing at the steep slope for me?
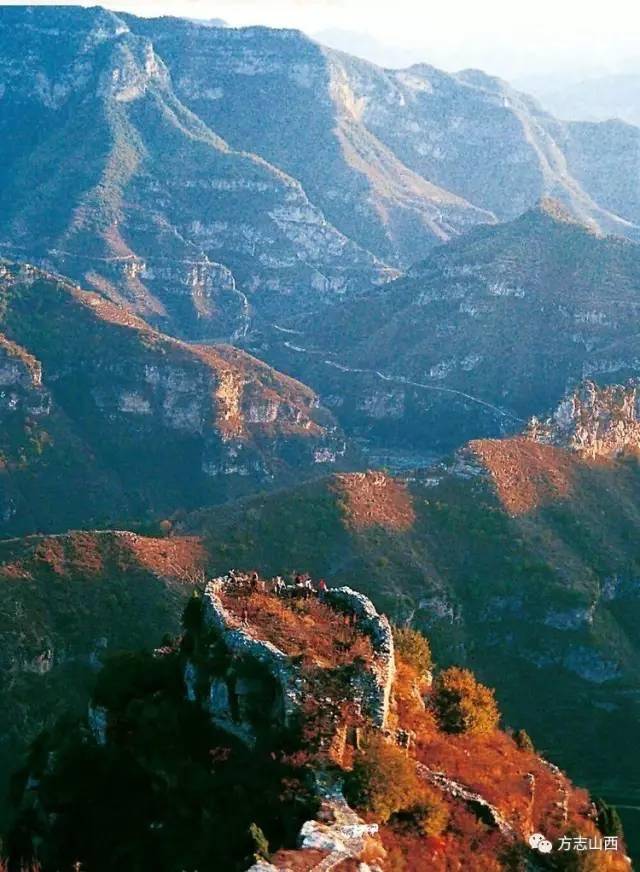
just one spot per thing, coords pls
(281, 95)
(517, 558)
(473, 134)
(237, 739)
(188, 168)
(85, 595)
(104, 418)
(484, 333)
(394, 157)
(603, 158)
(106, 176)
(542, 595)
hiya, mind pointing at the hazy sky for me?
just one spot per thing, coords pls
(508, 37)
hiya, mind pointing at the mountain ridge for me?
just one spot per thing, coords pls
(149, 422)
(203, 219)
(489, 330)
(546, 578)
(361, 736)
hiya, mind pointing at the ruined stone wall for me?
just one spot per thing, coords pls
(242, 645)
(376, 685)
(371, 683)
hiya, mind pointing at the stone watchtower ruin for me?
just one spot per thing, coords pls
(253, 685)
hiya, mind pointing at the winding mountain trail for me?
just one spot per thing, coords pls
(399, 379)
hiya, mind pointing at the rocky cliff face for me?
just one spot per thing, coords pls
(151, 206)
(263, 90)
(409, 157)
(595, 421)
(232, 699)
(163, 422)
(208, 175)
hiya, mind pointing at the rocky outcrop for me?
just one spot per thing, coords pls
(337, 831)
(232, 695)
(594, 421)
(21, 390)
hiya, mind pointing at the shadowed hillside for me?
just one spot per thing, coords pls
(235, 745)
(67, 602)
(487, 331)
(106, 421)
(516, 557)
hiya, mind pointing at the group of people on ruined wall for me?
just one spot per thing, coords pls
(298, 585)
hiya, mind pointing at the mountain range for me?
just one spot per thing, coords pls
(490, 329)
(515, 556)
(542, 595)
(203, 173)
(240, 272)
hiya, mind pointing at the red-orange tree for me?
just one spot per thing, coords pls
(462, 704)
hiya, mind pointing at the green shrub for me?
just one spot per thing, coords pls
(260, 843)
(413, 648)
(383, 779)
(523, 741)
(609, 822)
(462, 704)
(429, 816)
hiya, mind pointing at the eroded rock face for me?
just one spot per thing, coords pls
(374, 686)
(21, 389)
(242, 646)
(337, 831)
(595, 421)
(162, 212)
(254, 169)
(231, 695)
(182, 424)
(408, 156)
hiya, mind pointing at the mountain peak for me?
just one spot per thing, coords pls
(550, 207)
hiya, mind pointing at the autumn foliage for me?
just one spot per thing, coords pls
(462, 704)
(384, 781)
(413, 648)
